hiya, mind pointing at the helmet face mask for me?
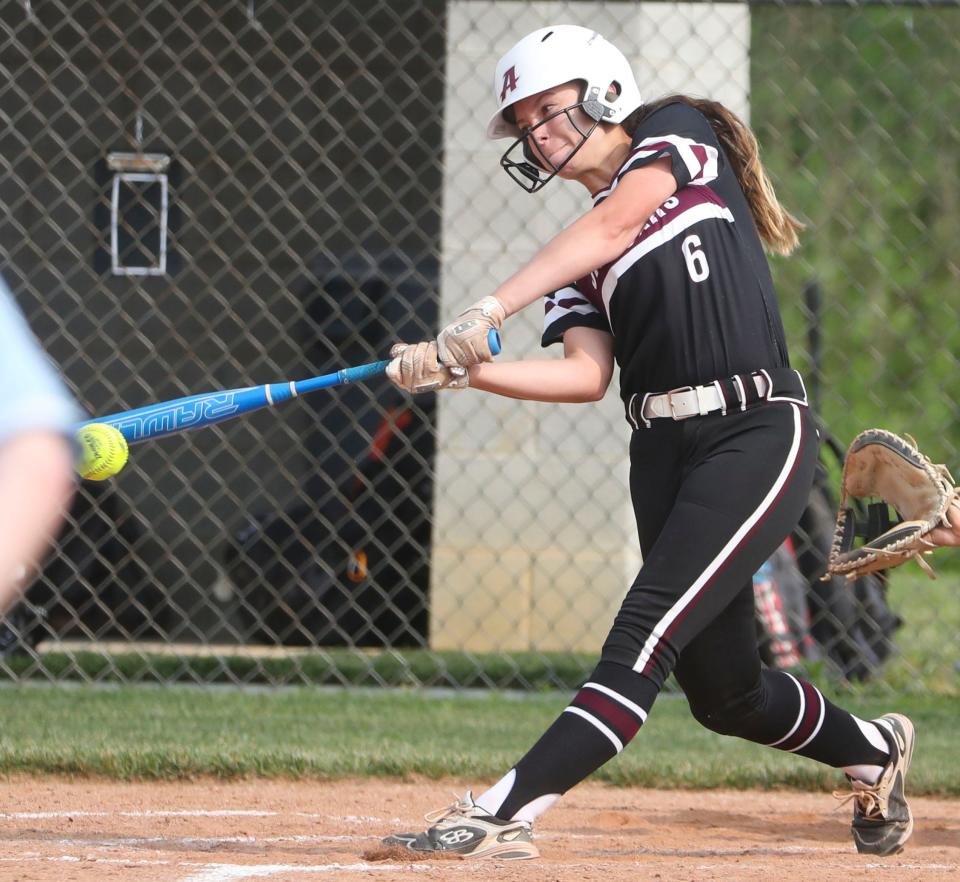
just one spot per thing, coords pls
(545, 59)
(529, 171)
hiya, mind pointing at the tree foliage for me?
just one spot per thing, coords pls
(856, 110)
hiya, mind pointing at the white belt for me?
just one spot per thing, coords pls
(688, 401)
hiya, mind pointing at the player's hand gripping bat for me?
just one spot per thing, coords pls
(195, 411)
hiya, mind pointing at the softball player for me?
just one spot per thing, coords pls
(36, 459)
(671, 282)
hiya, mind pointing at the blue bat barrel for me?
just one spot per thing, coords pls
(195, 411)
(192, 412)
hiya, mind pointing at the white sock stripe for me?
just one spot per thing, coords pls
(816, 729)
(616, 696)
(803, 704)
(690, 594)
(871, 731)
(595, 722)
(864, 772)
(886, 726)
(491, 800)
(536, 807)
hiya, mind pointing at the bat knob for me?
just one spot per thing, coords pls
(493, 341)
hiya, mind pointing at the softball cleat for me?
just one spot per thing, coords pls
(882, 820)
(466, 830)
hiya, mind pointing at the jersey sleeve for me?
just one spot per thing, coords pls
(569, 308)
(35, 398)
(682, 134)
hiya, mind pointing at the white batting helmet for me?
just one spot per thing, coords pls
(556, 55)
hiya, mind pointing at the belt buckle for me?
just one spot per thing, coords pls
(670, 394)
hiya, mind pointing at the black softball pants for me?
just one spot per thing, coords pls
(714, 496)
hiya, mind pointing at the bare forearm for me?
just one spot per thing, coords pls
(565, 380)
(579, 249)
(36, 474)
(597, 238)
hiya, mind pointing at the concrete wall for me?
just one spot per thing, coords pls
(534, 539)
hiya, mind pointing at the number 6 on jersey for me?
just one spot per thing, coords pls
(696, 260)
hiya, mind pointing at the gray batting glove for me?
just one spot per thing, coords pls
(415, 368)
(464, 340)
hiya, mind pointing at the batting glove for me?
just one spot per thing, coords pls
(415, 368)
(464, 340)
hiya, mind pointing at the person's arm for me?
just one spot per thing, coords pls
(583, 374)
(36, 456)
(37, 481)
(599, 237)
(595, 239)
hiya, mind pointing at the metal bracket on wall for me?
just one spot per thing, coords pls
(139, 205)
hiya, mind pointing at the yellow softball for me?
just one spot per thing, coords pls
(103, 451)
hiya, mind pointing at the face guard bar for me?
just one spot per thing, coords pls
(529, 172)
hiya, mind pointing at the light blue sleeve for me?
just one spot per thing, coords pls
(32, 394)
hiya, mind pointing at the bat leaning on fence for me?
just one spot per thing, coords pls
(196, 411)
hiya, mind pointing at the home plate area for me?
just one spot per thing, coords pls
(209, 831)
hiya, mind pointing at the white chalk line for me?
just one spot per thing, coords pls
(223, 872)
(305, 839)
(354, 837)
(231, 872)
(194, 813)
(234, 872)
(359, 839)
(186, 841)
(181, 841)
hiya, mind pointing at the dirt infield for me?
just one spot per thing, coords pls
(296, 832)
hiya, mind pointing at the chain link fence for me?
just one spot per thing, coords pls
(204, 195)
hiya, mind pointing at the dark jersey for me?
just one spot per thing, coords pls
(691, 300)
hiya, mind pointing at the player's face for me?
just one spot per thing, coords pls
(556, 128)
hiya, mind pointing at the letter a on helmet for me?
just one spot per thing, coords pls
(509, 83)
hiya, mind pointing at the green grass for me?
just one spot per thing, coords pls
(322, 667)
(185, 732)
(928, 643)
(840, 93)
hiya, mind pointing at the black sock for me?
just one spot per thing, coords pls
(795, 717)
(598, 723)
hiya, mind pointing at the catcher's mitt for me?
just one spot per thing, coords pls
(880, 464)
